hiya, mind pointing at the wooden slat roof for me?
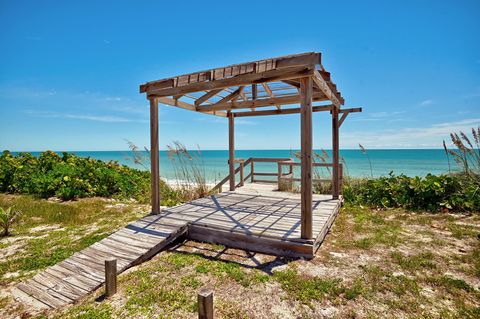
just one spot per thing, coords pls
(265, 83)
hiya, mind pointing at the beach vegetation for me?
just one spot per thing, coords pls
(8, 217)
(68, 177)
(189, 170)
(432, 192)
(466, 153)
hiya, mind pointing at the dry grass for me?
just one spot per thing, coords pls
(373, 264)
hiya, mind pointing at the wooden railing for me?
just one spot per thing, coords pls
(279, 175)
(289, 177)
(240, 169)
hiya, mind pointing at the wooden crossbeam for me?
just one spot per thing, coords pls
(342, 118)
(239, 80)
(187, 106)
(325, 88)
(292, 99)
(206, 96)
(292, 83)
(295, 60)
(319, 108)
(230, 97)
(270, 93)
(345, 113)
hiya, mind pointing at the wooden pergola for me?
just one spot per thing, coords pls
(259, 88)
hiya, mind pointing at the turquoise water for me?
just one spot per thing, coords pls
(411, 162)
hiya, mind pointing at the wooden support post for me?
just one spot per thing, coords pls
(252, 171)
(231, 149)
(335, 155)
(154, 153)
(306, 88)
(341, 177)
(241, 173)
(205, 304)
(110, 277)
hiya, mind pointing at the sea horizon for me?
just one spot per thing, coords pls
(376, 162)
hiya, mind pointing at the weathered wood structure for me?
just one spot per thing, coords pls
(259, 88)
(252, 216)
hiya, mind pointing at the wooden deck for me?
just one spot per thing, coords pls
(254, 218)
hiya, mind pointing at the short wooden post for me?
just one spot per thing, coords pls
(110, 277)
(306, 90)
(154, 154)
(252, 171)
(241, 173)
(279, 175)
(335, 154)
(231, 150)
(205, 304)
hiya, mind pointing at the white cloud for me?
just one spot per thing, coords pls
(378, 116)
(87, 117)
(409, 137)
(426, 102)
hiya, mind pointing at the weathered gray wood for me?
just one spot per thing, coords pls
(205, 303)
(264, 102)
(306, 156)
(231, 150)
(252, 171)
(154, 154)
(110, 277)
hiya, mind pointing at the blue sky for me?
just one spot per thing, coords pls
(70, 70)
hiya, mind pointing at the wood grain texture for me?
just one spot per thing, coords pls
(154, 153)
(306, 86)
(231, 149)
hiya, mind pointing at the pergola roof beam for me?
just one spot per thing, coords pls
(291, 99)
(187, 106)
(270, 93)
(295, 110)
(325, 88)
(240, 80)
(206, 96)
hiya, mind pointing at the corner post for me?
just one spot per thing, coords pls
(231, 150)
(154, 156)
(306, 88)
(335, 154)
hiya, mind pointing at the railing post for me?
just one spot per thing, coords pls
(279, 175)
(241, 172)
(252, 171)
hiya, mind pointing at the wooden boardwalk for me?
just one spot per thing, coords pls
(254, 218)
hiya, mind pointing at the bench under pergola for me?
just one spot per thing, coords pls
(260, 88)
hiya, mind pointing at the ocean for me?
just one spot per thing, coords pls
(411, 162)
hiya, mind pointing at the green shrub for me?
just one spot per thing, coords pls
(7, 218)
(431, 193)
(68, 177)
